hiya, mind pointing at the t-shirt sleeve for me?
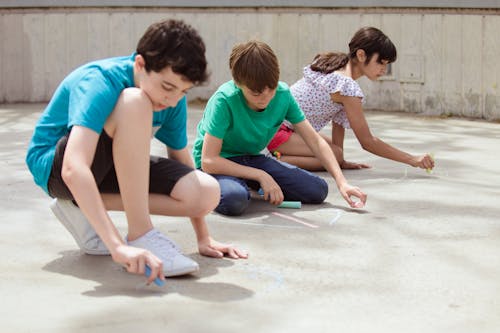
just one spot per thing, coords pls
(91, 101)
(217, 116)
(173, 131)
(339, 83)
(294, 114)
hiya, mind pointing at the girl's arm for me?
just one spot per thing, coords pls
(357, 120)
(212, 162)
(322, 151)
(338, 134)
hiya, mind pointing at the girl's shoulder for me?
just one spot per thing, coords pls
(332, 79)
(344, 84)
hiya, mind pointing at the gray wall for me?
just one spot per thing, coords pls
(255, 3)
(447, 58)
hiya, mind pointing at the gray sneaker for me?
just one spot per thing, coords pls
(79, 227)
(174, 262)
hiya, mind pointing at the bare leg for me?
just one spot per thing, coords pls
(304, 162)
(195, 195)
(295, 151)
(130, 127)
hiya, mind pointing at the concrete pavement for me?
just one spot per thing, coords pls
(423, 256)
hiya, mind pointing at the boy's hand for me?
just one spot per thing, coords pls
(212, 248)
(349, 191)
(135, 260)
(272, 191)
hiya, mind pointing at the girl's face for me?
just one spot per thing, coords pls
(374, 69)
(258, 100)
(164, 88)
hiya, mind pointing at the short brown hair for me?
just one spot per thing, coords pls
(176, 44)
(254, 65)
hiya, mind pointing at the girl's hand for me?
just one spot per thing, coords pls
(212, 248)
(351, 165)
(425, 161)
(349, 191)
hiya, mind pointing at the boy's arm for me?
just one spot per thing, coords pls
(77, 175)
(181, 155)
(213, 163)
(322, 151)
(206, 245)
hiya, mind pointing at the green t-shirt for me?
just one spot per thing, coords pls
(244, 131)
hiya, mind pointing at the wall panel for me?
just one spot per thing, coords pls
(447, 62)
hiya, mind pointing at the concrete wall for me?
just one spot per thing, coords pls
(447, 58)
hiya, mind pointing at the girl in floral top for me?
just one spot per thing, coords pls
(328, 93)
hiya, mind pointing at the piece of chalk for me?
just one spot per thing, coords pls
(290, 204)
(358, 204)
(159, 282)
(429, 170)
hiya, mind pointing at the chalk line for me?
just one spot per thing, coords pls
(261, 224)
(295, 220)
(337, 216)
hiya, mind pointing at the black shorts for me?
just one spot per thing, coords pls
(164, 173)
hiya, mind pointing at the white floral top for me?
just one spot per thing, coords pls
(312, 92)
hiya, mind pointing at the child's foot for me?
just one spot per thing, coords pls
(73, 219)
(174, 262)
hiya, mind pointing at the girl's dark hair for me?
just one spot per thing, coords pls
(369, 39)
(254, 65)
(176, 44)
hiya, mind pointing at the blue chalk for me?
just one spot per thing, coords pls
(159, 282)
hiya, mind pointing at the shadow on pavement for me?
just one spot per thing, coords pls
(113, 280)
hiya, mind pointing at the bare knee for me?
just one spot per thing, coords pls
(132, 107)
(199, 191)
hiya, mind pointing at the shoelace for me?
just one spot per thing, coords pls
(162, 242)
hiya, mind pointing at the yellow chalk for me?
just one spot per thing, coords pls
(429, 170)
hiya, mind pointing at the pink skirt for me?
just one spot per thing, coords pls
(280, 137)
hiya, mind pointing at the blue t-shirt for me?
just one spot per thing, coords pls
(86, 97)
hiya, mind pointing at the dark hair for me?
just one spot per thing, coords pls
(176, 44)
(254, 65)
(369, 39)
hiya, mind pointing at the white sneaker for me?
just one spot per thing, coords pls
(77, 224)
(174, 262)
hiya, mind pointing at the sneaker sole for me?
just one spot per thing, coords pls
(62, 217)
(179, 272)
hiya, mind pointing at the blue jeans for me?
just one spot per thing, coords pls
(296, 184)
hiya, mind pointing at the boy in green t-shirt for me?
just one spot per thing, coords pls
(239, 121)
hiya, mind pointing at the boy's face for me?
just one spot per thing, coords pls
(164, 88)
(258, 100)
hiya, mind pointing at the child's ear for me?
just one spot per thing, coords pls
(361, 55)
(139, 62)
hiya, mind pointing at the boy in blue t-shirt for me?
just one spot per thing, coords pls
(91, 147)
(239, 121)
